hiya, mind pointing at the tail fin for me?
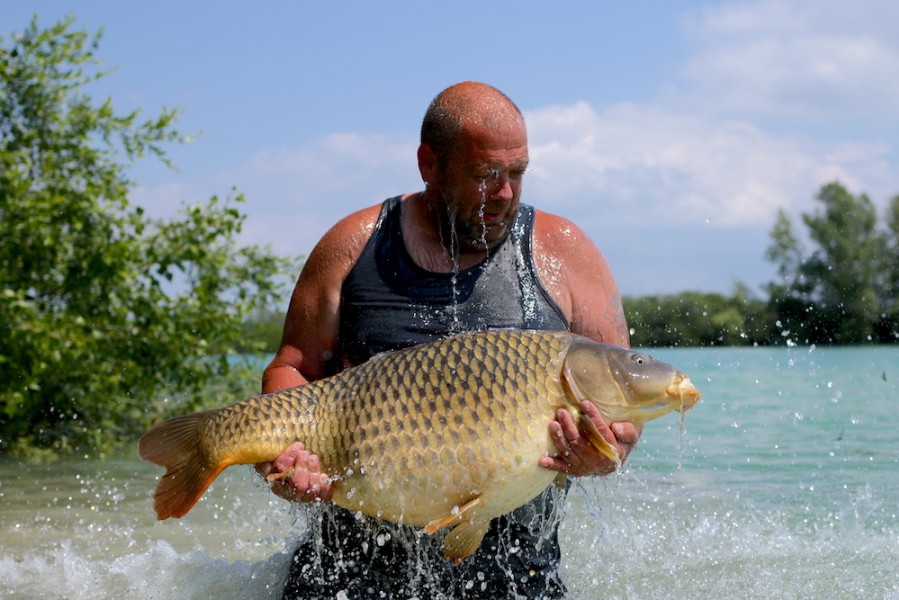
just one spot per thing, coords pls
(175, 444)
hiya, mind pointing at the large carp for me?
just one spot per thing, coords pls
(445, 433)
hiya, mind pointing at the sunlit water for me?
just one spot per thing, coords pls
(784, 483)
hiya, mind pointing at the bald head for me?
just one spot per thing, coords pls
(466, 105)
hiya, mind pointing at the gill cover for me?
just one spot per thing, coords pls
(624, 384)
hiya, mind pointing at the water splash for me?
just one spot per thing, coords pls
(451, 249)
(188, 575)
(418, 555)
(482, 207)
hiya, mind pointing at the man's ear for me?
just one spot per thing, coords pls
(427, 163)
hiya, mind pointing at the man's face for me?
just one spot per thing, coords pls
(479, 187)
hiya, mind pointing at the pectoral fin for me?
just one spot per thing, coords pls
(464, 540)
(588, 429)
(456, 515)
(282, 476)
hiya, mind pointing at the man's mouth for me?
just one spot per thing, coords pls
(493, 218)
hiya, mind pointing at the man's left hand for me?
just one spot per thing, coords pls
(576, 455)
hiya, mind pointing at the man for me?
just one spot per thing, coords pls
(463, 254)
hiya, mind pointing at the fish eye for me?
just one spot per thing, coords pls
(638, 359)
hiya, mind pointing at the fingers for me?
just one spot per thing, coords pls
(569, 448)
(627, 435)
(576, 455)
(566, 438)
(289, 457)
(302, 478)
(306, 481)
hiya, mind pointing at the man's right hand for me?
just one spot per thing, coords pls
(303, 479)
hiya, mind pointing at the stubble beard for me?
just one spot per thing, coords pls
(469, 232)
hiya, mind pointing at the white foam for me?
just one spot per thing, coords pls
(159, 572)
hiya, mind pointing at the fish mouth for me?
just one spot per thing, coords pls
(683, 389)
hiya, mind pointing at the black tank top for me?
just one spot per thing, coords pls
(388, 302)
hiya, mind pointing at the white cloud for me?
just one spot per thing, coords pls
(795, 59)
(631, 163)
(294, 194)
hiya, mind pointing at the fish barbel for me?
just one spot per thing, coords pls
(445, 433)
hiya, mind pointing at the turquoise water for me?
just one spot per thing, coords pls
(782, 483)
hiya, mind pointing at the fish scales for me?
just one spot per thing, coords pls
(446, 433)
(378, 453)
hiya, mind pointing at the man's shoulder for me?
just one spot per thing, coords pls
(548, 217)
(557, 234)
(361, 221)
(353, 231)
(343, 243)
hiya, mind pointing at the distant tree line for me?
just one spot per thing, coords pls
(698, 319)
(841, 286)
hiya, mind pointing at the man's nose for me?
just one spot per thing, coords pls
(501, 187)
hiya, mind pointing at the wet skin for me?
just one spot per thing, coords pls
(473, 199)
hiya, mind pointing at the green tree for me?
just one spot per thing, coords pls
(789, 297)
(889, 325)
(104, 310)
(697, 319)
(263, 330)
(833, 293)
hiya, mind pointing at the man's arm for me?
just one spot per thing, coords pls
(309, 339)
(579, 279)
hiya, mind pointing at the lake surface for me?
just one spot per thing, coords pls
(783, 483)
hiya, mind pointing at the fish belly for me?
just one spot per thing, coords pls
(417, 485)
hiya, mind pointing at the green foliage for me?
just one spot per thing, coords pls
(842, 290)
(888, 328)
(104, 310)
(262, 330)
(697, 319)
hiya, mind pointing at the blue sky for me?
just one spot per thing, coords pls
(671, 131)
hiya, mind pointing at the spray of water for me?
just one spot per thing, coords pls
(451, 248)
(482, 206)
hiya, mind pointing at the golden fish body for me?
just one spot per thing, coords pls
(448, 432)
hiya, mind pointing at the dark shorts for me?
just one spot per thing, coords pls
(364, 558)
